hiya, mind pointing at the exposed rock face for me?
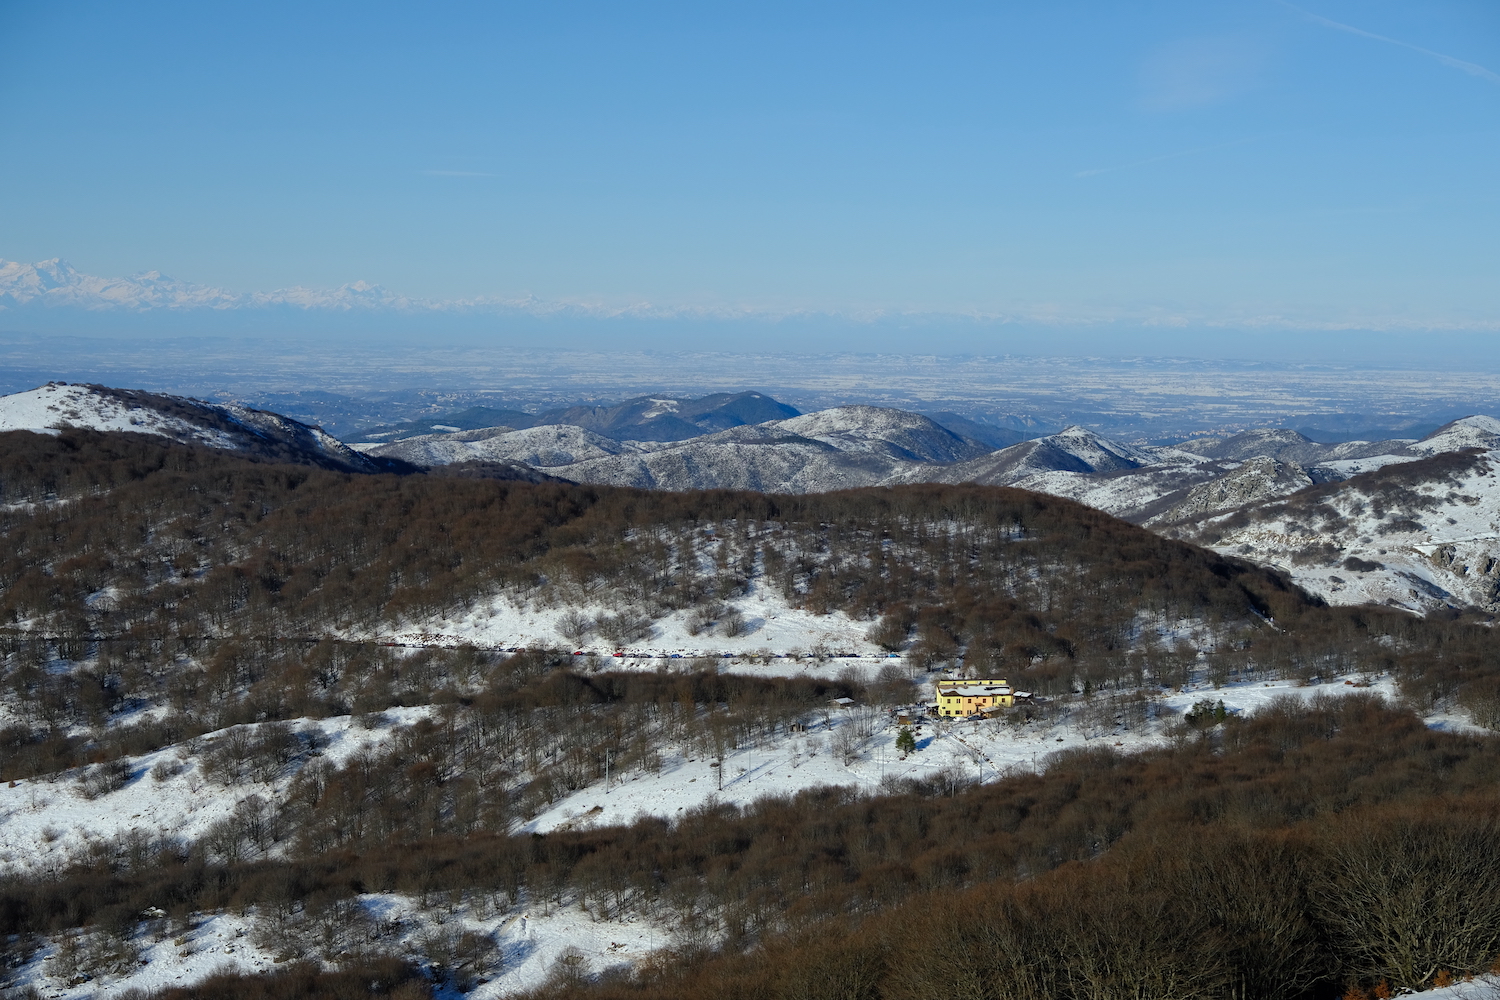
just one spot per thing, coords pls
(1475, 561)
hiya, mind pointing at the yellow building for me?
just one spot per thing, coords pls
(974, 697)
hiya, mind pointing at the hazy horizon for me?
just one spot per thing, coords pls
(1248, 180)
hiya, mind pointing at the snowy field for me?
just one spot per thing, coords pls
(790, 638)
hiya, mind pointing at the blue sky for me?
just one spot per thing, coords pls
(1199, 166)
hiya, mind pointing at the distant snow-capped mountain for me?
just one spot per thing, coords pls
(833, 449)
(540, 447)
(55, 282)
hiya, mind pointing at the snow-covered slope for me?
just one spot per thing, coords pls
(1075, 449)
(745, 458)
(1340, 469)
(1419, 535)
(1477, 431)
(542, 447)
(833, 449)
(1412, 524)
(59, 406)
(896, 434)
(1134, 494)
(1289, 446)
(1256, 479)
(1351, 457)
(1158, 485)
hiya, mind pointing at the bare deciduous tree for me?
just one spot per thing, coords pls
(1412, 895)
(575, 626)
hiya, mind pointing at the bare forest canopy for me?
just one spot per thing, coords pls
(115, 536)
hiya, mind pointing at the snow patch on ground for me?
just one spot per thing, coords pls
(44, 822)
(529, 938)
(772, 626)
(218, 942)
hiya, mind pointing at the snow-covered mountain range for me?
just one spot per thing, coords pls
(1193, 489)
(1413, 523)
(832, 449)
(55, 282)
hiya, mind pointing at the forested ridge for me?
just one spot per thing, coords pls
(154, 593)
(192, 542)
